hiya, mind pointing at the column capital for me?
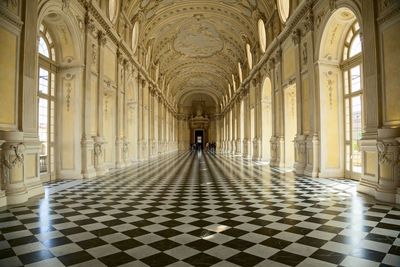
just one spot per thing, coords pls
(296, 36)
(102, 37)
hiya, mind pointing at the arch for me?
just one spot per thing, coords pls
(64, 72)
(52, 13)
(266, 119)
(335, 103)
(181, 97)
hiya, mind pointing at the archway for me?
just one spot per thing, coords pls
(59, 83)
(266, 120)
(341, 105)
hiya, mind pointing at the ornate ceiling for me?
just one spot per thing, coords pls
(198, 44)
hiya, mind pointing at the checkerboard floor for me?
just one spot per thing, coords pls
(194, 209)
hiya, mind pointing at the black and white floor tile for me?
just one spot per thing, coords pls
(195, 209)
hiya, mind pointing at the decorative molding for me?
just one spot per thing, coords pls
(98, 149)
(296, 36)
(388, 153)
(68, 95)
(304, 53)
(10, 16)
(102, 37)
(18, 150)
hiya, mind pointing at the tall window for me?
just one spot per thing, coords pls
(46, 101)
(353, 104)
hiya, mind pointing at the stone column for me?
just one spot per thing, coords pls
(380, 138)
(87, 143)
(238, 135)
(3, 199)
(119, 137)
(312, 141)
(12, 164)
(155, 124)
(126, 111)
(140, 119)
(257, 119)
(246, 124)
(279, 139)
(99, 141)
(299, 140)
(135, 117)
(160, 125)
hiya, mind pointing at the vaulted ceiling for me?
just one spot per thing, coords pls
(197, 44)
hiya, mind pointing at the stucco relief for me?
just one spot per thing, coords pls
(198, 39)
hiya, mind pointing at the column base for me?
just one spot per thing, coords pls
(89, 173)
(382, 194)
(34, 187)
(16, 194)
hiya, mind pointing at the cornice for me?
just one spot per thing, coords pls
(11, 18)
(93, 11)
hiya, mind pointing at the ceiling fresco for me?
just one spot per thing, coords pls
(198, 44)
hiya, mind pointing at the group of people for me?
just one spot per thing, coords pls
(211, 147)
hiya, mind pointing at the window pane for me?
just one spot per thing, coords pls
(356, 132)
(347, 119)
(52, 121)
(355, 79)
(345, 52)
(43, 81)
(346, 82)
(43, 49)
(356, 26)
(53, 84)
(43, 124)
(347, 157)
(53, 54)
(355, 47)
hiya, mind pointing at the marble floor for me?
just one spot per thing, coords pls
(199, 209)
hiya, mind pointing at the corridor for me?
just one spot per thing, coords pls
(200, 209)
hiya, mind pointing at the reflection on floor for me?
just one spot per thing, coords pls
(194, 209)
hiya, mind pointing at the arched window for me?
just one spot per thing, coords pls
(46, 101)
(262, 35)
(353, 105)
(112, 9)
(249, 56)
(135, 36)
(46, 45)
(283, 9)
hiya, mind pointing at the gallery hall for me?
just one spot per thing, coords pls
(178, 133)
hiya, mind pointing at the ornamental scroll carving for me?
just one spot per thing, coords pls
(98, 149)
(18, 151)
(19, 156)
(388, 153)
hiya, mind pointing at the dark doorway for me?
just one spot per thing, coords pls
(199, 138)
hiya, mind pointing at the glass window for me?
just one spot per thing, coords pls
(43, 81)
(135, 36)
(249, 56)
(355, 46)
(355, 79)
(43, 49)
(283, 8)
(262, 35)
(112, 8)
(353, 114)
